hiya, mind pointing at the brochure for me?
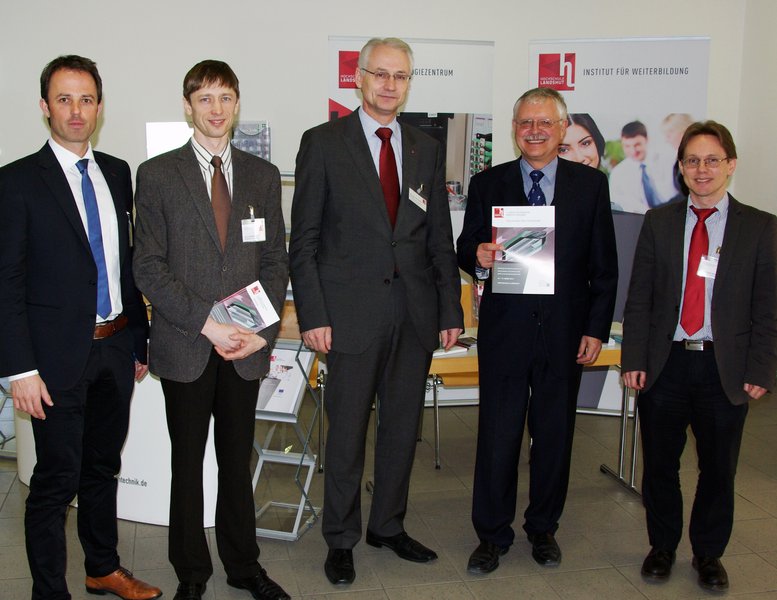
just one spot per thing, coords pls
(526, 266)
(282, 389)
(249, 308)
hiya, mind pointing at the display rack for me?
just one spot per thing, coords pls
(281, 396)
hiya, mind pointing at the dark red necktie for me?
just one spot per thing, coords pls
(220, 200)
(389, 179)
(692, 316)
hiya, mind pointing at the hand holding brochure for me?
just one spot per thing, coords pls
(526, 266)
(248, 307)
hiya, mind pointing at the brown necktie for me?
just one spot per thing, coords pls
(389, 179)
(692, 315)
(220, 200)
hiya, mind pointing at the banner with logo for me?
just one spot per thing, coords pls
(630, 101)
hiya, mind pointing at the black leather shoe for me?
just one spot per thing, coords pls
(189, 591)
(260, 586)
(712, 575)
(485, 558)
(339, 566)
(658, 564)
(544, 549)
(403, 546)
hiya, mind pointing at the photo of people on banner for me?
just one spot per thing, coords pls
(641, 165)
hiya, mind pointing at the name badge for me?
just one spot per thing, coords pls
(708, 266)
(253, 230)
(418, 199)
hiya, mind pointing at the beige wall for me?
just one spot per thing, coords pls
(279, 51)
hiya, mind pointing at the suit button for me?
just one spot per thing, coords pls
(387, 281)
(393, 244)
(534, 315)
(224, 269)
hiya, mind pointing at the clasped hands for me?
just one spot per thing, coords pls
(232, 342)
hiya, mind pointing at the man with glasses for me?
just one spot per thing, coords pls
(376, 286)
(700, 341)
(531, 348)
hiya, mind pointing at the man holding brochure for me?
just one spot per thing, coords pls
(209, 223)
(532, 346)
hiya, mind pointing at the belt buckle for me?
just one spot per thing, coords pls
(695, 345)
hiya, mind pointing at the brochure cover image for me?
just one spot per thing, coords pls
(526, 265)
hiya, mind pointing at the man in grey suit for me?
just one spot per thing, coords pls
(190, 253)
(700, 341)
(376, 285)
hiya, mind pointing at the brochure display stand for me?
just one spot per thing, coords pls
(280, 398)
(5, 396)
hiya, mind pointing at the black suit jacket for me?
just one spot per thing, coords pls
(744, 297)
(343, 250)
(586, 268)
(48, 278)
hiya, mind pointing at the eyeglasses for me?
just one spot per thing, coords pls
(694, 162)
(541, 123)
(384, 76)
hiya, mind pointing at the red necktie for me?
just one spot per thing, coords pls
(220, 200)
(692, 316)
(389, 179)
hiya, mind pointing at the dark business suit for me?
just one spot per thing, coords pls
(180, 267)
(744, 330)
(48, 299)
(530, 342)
(371, 284)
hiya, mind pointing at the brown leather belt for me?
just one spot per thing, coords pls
(107, 329)
(696, 345)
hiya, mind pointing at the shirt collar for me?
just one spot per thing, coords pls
(370, 125)
(549, 170)
(66, 158)
(722, 205)
(204, 155)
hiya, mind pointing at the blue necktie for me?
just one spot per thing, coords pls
(651, 196)
(536, 195)
(95, 239)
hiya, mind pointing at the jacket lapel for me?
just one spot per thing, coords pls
(730, 242)
(512, 187)
(119, 204)
(190, 172)
(359, 150)
(676, 241)
(55, 179)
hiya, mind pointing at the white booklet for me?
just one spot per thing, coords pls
(249, 308)
(526, 266)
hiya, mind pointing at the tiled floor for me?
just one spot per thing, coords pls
(602, 532)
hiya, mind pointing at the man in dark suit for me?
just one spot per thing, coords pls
(195, 246)
(531, 348)
(73, 332)
(700, 341)
(375, 285)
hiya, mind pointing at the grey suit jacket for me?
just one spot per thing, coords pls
(744, 297)
(344, 253)
(179, 264)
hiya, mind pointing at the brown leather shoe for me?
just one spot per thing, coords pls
(122, 584)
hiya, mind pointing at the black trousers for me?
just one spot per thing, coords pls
(395, 368)
(231, 400)
(78, 447)
(688, 392)
(547, 402)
